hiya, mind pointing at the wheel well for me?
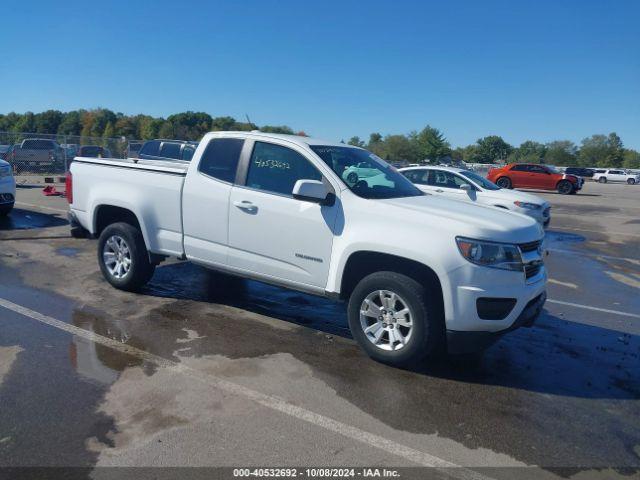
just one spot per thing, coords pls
(108, 214)
(361, 264)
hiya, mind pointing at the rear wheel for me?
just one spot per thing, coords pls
(504, 182)
(565, 187)
(394, 319)
(631, 181)
(602, 180)
(123, 257)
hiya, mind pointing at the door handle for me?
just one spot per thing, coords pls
(439, 190)
(246, 206)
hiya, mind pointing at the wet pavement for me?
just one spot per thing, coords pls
(563, 396)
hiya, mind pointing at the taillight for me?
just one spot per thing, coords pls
(69, 187)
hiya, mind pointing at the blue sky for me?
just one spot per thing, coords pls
(539, 70)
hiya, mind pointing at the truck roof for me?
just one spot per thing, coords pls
(297, 139)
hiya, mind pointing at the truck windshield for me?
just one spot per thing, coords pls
(366, 175)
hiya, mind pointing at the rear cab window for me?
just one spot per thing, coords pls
(151, 148)
(220, 158)
(38, 145)
(170, 150)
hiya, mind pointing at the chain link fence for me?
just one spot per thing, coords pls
(43, 154)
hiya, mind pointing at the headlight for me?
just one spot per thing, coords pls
(5, 171)
(528, 206)
(489, 254)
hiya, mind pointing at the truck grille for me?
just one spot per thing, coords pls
(529, 247)
(532, 269)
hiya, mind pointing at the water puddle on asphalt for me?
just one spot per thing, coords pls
(20, 219)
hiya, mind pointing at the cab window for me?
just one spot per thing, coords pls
(276, 169)
(220, 159)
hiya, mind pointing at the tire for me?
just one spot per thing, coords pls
(504, 182)
(140, 269)
(5, 209)
(423, 336)
(631, 181)
(602, 180)
(565, 187)
(352, 177)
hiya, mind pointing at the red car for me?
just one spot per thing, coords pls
(539, 177)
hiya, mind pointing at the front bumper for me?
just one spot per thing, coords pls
(460, 342)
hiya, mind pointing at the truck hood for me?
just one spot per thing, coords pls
(467, 220)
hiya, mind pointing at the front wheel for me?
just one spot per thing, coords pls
(504, 182)
(565, 187)
(394, 319)
(123, 257)
(631, 181)
(602, 180)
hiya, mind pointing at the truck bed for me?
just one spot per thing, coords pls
(151, 189)
(167, 166)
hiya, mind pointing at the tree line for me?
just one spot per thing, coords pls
(428, 145)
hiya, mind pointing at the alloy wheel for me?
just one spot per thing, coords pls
(386, 320)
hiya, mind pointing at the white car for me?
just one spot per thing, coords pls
(468, 186)
(616, 175)
(419, 273)
(7, 188)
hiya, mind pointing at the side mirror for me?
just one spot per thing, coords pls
(310, 191)
(466, 187)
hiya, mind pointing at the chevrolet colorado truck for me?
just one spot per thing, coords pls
(420, 274)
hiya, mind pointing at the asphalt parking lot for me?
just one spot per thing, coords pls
(205, 370)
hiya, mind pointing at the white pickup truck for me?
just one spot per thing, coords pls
(420, 273)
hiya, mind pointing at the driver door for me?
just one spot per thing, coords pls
(270, 232)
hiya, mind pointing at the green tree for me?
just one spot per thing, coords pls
(631, 159)
(148, 127)
(71, 124)
(529, 152)
(431, 144)
(601, 151)
(561, 152)
(26, 123)
(355, 141)
(109, 131)
(126, 127)
(396, 148)
(615, 156)
(48, 122)
(166, 130)
(223, 123)
(492, 149)
(276, 129)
